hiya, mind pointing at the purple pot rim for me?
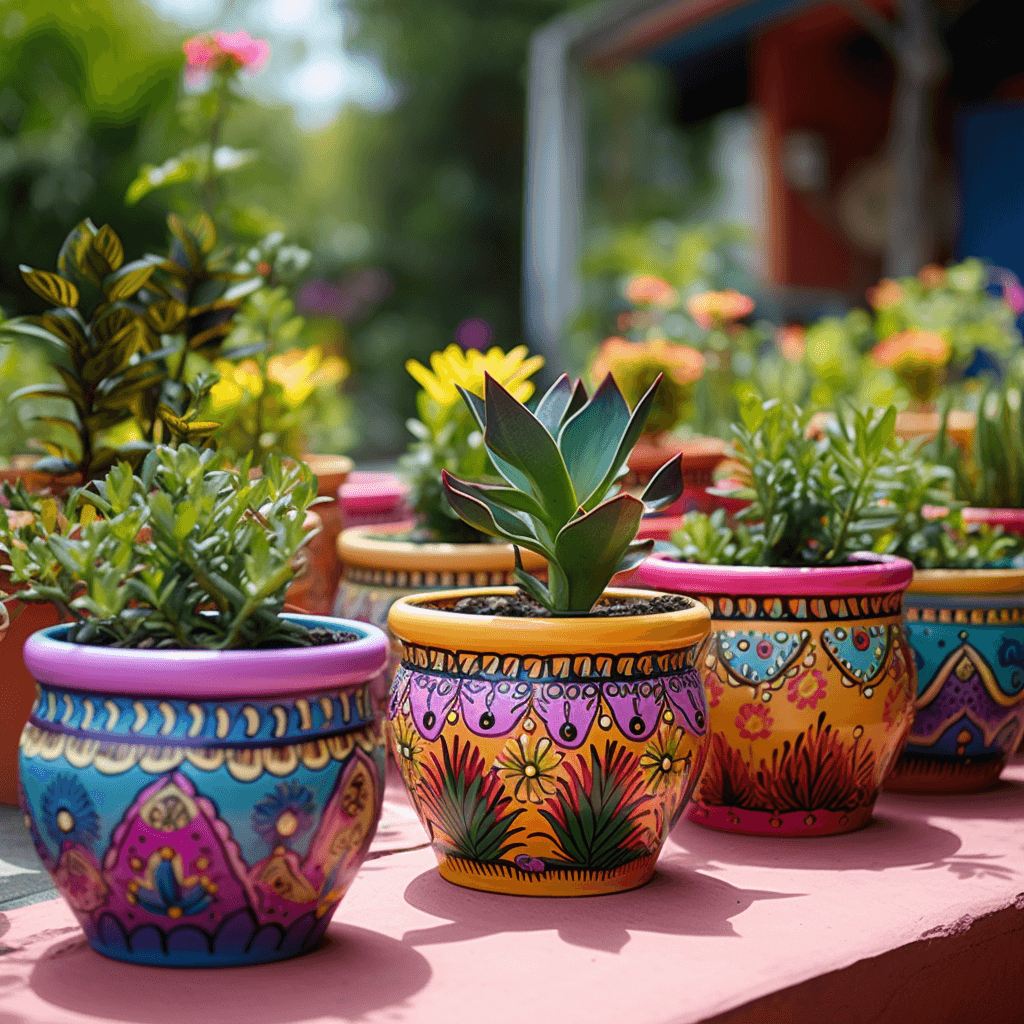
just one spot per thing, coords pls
(209, 674)
(879, 574)
(366, 492)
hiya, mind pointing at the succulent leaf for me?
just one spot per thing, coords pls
(665, 486)
(553, 404)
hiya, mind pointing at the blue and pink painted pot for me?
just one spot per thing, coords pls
(203, 808)
(967, 631)
(810, 688)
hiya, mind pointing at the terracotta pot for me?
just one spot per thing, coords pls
(325, 571)
(304, 590)
(203, 808)
(547, 757)
(911, 424)
(378, 568)
(700, 456)
(22, 469)
(811, 693)
(1010, 519)
(372, 499)
(967, 631)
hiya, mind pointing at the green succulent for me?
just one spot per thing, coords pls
(561, 465)
(189, 553)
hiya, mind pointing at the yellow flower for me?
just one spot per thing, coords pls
(530, 767)
(237, 381)
(454, 367)
(300, 371)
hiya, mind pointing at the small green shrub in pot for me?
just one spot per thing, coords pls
(191, 746)
(549, 736)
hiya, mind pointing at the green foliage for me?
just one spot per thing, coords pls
(561, 466)
(189, 553)
(469, 803)
(813, 501)
(991, 475)
(593, 814)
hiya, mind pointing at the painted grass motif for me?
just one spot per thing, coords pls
(727, 781)
(469, 804)
(593, 815)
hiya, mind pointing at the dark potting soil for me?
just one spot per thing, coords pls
(319, 636)
(521, 606)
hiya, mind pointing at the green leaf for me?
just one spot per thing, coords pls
(109, 246)
(553, 404)
(531, 584)
(666, 485)
(590, 549)
(519, 439)
(51, 287)
(635, 554)
(127, 281)
(72, 258)
(39, 391)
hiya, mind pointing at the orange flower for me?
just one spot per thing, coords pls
(885, 294)
(909, 350)
(932, 276)
(754, 722)
(680, 362)
(650, 291)
(717, 309)
(791, 342)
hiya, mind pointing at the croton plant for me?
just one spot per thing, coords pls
(561, 465)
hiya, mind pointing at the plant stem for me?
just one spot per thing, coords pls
(207, 190)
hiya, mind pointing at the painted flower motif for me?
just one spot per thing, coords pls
(78, 878)
(408, 751)
(886, 294)
(68, 813)
(646, 290)
(662, 762)
(791, 342)
(719, 309)
(453, 366)
(164, 889)
(225, 51)
(754, 722)
(284, 815)
(532, 864)
(713, 689)
(805, 691)
(531, 765)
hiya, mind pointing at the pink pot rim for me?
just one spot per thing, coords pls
(366, 492)
(209, 674)
(876, 574)
(995, 516)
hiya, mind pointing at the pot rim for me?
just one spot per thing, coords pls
(209, 674)
(878, 574)
(409, 621)
(371, 547)
(993, 516)
(364, 492)
(968, 581)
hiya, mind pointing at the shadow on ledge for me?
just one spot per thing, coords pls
(352, 973)
(675, 902)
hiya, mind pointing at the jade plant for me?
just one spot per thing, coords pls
(561, 465)
(188, 553)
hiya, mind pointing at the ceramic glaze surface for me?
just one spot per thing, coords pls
(202, 832)
(969, 652)
(810, 702)
(553, 774)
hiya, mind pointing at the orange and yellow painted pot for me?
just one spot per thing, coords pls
(548, 757)
(810, 687)
(967, 631)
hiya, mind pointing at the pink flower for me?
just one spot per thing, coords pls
(1013, 295)
(805, 691)
(650, 291)
(714, 689)
(791, 342)
(719, 309)
(754, 722)
(224, 51)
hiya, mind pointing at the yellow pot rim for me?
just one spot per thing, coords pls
(409, 620)
(968, 582)
(370, 547)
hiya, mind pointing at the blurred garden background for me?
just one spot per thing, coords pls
(494, 172)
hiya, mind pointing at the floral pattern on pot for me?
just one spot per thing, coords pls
(548, 770)
(969, 647)
(810, 692)
(202, 832)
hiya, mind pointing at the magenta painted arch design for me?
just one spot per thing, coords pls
(210, 674)
(869, 574)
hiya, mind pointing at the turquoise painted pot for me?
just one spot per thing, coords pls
(203, 808)
(967, 632)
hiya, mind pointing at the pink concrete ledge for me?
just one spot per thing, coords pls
(917, 918)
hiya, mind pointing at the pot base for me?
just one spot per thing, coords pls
(511, 881)
(930, 773)
(796, 824)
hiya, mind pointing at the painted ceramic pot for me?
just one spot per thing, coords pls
(810, 687)
(203, 808)
(371, 499)
(547, 757)
(967, 632)
(1010, 519)
(698, 459)
(378, 568)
